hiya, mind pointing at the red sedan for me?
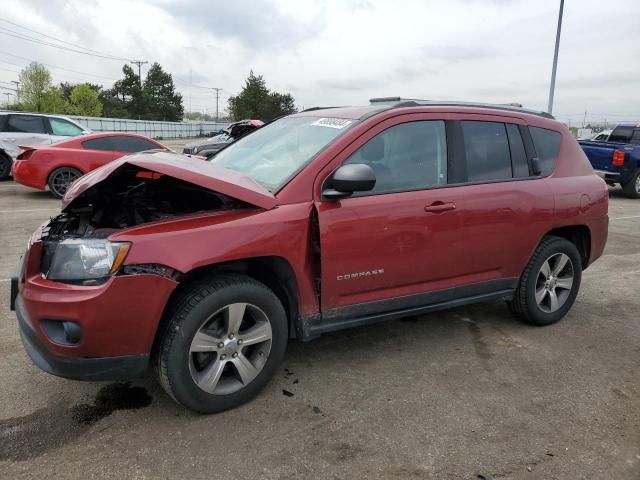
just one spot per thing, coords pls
(59, 164)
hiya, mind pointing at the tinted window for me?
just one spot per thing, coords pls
(98, 144)
(635, 138)
(487, 151)
(3, 123)
(25, 124)
(132, 144)
(621, 134)
(547, 145)
(409, 156)
(64, 128)
(519, 163)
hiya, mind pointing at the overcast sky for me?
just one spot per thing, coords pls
(344, 52)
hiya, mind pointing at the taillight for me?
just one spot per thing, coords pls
(618, 158)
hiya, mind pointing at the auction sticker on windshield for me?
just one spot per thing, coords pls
(332, 122)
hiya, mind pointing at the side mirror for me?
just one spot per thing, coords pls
(347, 179)
(535, 166)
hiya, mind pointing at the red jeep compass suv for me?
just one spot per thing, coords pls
(322, 220)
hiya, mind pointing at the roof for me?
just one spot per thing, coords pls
(390, 103)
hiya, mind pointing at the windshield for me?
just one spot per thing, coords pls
(276, 152)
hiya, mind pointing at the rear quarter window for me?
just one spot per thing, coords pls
(547, 145)
(3, 123)
(103, 144)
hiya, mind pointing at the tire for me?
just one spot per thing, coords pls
(201, 358)
(548, 277)
(632, 188)
(60, 179)
(5, 166)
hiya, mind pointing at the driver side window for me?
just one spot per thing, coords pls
(409, 156)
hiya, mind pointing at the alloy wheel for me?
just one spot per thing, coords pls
(230, 349)
(62, 180)
(554, 282)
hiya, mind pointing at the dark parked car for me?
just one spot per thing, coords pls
(211, 146)
(321, 220)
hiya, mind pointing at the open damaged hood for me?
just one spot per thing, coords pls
(204, 174)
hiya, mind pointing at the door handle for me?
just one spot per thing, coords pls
(438, 207)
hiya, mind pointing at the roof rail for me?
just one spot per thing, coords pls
(312, 109)
(511, 107)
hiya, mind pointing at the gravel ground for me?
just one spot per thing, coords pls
(449, 395)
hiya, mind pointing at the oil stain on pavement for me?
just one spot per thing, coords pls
(26, 437)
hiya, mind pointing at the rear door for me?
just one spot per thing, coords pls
(26, 130)
(391, 248)
(502, 207)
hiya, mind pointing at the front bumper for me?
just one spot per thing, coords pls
(124, 367)
(118, 321)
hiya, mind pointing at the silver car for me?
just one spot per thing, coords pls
(18, 128)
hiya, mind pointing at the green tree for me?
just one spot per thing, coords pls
(84, 100)
(257, 101)
(53, 101)
(161, 101)
(124, 99)
(35, 80)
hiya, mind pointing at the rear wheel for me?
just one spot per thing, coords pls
(5, 166)
(632, 188)
(60, 179)
(224, 341)
(550, 283)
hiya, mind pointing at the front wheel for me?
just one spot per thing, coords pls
(60, 179)
(550, 283)
(632, 188)
(224, 341)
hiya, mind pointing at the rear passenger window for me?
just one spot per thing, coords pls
(3, 123)
(519, 162)
(621, 134)
(409, 156)
(98, 144)
(25, 124)
(635, 138)
(487, 151)
(547, 145)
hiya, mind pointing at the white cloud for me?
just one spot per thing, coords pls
(344, 52)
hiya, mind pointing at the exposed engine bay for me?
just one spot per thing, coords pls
(130, 197)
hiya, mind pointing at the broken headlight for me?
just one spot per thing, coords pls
(86, 261)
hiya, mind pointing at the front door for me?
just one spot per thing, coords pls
(391, 248)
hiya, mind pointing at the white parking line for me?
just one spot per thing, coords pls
(624, 218)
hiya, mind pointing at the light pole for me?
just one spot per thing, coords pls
(555, 59)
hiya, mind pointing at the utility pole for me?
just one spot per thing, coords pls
(17, 90)
(217, 90)
(8, 95)
(555, 59)
(139, 63)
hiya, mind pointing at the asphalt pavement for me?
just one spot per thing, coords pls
(450, 395)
